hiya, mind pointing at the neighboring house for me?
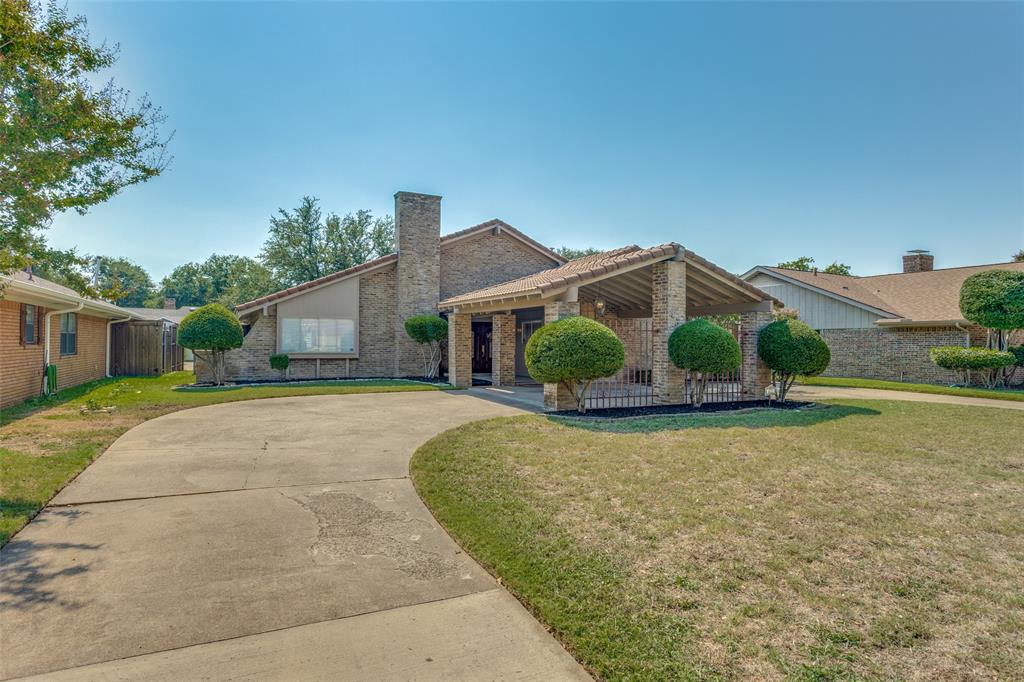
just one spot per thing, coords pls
(496, 285)
(42, 323)
(882, 326)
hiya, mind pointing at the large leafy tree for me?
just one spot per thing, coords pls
(64, 143)
(228, 280)
(303, 245)
(121, 281)
(806, 263)
(572, 253)
(1019, 256)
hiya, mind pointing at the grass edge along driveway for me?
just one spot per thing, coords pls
(866, 540)
(45, 443)
(935, 389)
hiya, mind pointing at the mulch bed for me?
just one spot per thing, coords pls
(668, 410)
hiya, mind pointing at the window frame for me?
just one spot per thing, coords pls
(68, 334)
(24, 326)
(354, 353)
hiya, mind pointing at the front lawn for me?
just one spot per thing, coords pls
(868, 539)
(44, 443)
(967, 391)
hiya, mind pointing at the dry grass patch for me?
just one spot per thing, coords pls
(876, 540)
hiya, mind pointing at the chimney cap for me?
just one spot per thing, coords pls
(918, 251)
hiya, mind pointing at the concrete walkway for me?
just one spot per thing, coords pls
(270, 539)
(834, 392)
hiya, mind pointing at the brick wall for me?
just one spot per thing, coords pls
(418, 274)
(90, 361)
(21, 367)
(486, 259)
(668, 284)
(897, 354)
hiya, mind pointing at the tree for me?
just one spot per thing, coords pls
(429, 331)
(790, 349)
(806, 263)
(302, 245)
(572, 352)
(994, 299)
(571, 253)
(122, 282)
(965, 360)
(1019, 256)
(228, 280)
(209, 331)
(64, 144)
(703, 347)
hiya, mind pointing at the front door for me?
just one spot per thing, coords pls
(481, 347)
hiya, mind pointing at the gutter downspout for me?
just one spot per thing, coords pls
(109, 323)
(46, 342)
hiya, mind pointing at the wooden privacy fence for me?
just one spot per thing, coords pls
(145, 348)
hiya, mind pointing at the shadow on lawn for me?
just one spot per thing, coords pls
(753, 419)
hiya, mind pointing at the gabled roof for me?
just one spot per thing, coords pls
(591, 268)
(491, 226)
(902, 297)
(174, 315)
(31, 288)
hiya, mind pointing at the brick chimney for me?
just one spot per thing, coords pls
(918, 260)
(170, 303)
(418, 241)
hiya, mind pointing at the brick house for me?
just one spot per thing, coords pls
(882, 326)
(42, 323)
(496, 286)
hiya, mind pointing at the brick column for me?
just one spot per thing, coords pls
(755, 374)
(668, 311)
(503, 350)
(460, 349)
(556, 396)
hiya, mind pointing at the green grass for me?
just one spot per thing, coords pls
(865, 540)
(45, 442)
(968, 391)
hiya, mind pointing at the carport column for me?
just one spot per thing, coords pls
(668, 311)
(460, 349)
(755, 375)
(503, 350)
(556, 396)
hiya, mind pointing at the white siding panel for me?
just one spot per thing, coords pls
(817, 310)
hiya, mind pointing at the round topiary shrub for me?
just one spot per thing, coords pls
(966, 360)
(208, 332)
(573, 351)
(706, 348)
(429, 331)
(994, 299)
(790, 349)
(280, 362)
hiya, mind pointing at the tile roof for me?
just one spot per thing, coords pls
(342, 274)
(573, 273)
(931, 296)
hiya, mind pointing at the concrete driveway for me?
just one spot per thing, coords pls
(270, 539)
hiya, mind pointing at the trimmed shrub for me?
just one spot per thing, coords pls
(706, 348)
(280, 362)
(994, 299)
(1018, 354)
(573, 351)
(430, 331)
(790, 349)
(208, 332)
(963, 360)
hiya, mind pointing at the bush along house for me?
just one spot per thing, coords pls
(883, 326)
(496, 286)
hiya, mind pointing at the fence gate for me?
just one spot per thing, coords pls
(631, 387)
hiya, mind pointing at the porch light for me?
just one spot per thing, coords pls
(599, 306)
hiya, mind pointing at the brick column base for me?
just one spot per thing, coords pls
(460, 349)
(503, 350)
(668, 311)
(557, 397)
(756, 376)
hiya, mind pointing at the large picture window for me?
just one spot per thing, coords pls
(317, 335)
(68, 334)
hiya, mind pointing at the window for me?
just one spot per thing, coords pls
(68, 334)
(29, 324)
(317, 335)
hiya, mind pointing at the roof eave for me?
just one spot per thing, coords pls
(49, 295)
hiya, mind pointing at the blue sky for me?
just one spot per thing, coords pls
(751, 132)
